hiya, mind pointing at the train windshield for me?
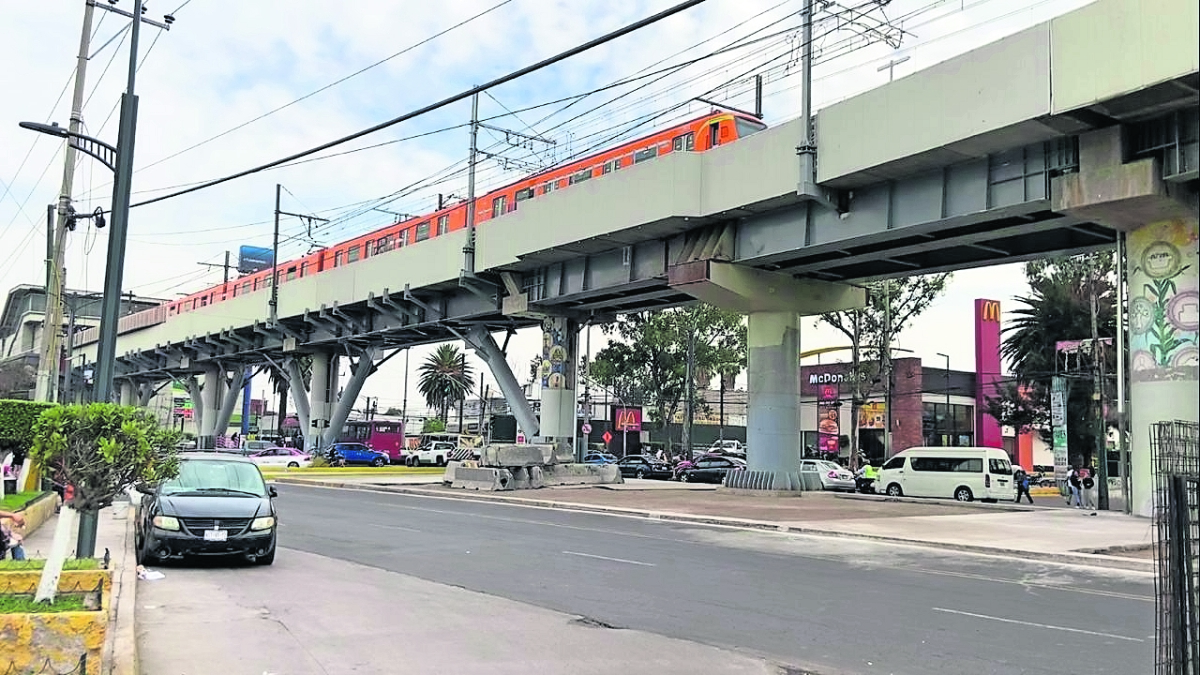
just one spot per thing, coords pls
(746, 127)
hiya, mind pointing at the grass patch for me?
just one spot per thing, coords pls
(18, 501)
(69, 565)
(24, 604)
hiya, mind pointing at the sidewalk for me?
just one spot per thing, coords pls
(1050, 534)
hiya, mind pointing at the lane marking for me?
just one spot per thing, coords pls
(604, 557)
(393, 527)
(1038, 625)
(732, 528)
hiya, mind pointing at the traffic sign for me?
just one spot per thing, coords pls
(587, 428)
(607, 437)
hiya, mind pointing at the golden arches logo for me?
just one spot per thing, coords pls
(990, 311)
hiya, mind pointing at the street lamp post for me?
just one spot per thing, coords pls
(949, 416)
(111, 306)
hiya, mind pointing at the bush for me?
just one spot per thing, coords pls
(103, 448)
(16, 423)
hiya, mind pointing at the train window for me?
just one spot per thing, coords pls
(547, 188)
(619, 162)
(422, 231)
(498, 206)
(291, 273)
(607, 168)
(352, 255)
(246, 287)
(580, 176)
(714, 138)
(403, 238)
(337, 259)
(643, 155)
(684, 142)
(443, 223)
(522, 195)
(384, 244)
(746, 127)
(677, 144)
(204, 301)
(367, 248)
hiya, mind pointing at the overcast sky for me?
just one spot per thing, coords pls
(208, 87)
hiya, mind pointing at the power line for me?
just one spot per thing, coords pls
(578, 49)
(331, 84)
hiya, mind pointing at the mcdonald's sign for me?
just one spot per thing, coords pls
(989, 310)
(627, 419)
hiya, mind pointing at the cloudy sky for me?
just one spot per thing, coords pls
(233, 85)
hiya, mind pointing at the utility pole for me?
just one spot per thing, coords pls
(404, 402)
(691, 391)
(1101, 459)
(47, 379)
(886, 355)
(226, 266)
(274, 301)
(1122, 346)
(469, 246)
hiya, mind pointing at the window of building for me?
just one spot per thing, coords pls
(443, 224)
(941, 429)
(643, 155)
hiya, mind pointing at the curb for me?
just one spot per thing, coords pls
(120, 643)
(999, 506)
(1091, 560)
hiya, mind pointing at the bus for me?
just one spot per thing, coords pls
(386, 436)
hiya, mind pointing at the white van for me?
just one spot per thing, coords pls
(964, 474)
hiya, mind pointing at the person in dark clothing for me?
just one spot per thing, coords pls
(1022, 481)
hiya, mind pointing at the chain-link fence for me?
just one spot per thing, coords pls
(48, 668)
(1176, 448)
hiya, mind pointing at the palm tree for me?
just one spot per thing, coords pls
(445, 379)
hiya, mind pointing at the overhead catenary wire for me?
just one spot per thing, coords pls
(578, 49)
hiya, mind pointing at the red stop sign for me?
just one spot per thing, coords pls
(607, 437)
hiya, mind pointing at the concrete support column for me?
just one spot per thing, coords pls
(299, 396)
(486, 348)
(560, 358)
(1164, 360)
(773, 385)
(144, 393)
(214, 388)
(340, 411)
(128, 393)
(196, 392)
(319, 399)
(233, 389)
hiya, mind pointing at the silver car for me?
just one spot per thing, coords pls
(833, 476)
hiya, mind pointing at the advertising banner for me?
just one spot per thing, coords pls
(828, 419)
(1058, 425)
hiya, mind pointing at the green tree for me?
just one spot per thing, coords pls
(646, 362)
(891, 305)
(100, 449)
(1058, 309)
(445, 379)
(433, 426)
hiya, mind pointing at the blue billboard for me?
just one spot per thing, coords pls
(254, 258)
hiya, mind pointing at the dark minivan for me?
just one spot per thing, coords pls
(219, 504)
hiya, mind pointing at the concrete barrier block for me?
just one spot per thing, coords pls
(582, 474)
(513, 455)
(488, 478)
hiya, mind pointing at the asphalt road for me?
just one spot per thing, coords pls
(824, 604)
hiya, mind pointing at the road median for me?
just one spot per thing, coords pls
(827, 529)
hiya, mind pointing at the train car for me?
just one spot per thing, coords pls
(697, 135)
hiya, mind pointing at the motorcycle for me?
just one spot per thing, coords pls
(864, 485)
(335, 458)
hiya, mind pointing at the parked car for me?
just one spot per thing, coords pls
(219, 504)
(357, 453)
(961, 473)
(599, 458)
(727, 446)
(251, 447)
(641, 466)
(436, 453)
(833, 476)
(710, 469)
(288, 457)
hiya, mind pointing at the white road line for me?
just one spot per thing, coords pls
(604, 557)
(1038, 625)
(393, 527)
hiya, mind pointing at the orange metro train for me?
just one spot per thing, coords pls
(698, 135)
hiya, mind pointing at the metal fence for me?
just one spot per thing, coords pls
(1176, 449)
(47, 668)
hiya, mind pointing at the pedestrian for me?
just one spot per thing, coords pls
(10, 541)
(1087, 480)
(1075, 482)
(1022, 481)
